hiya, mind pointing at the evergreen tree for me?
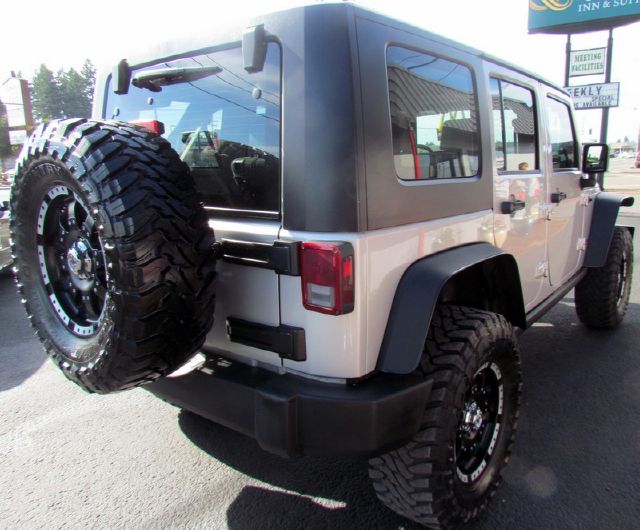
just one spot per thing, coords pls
(5, 141)
(67, 94)
(88, 73)
(47, 95)
(75, 103)
(5, 145)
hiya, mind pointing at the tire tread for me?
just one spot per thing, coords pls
(416, 480)
(596, 294)
(150, 214)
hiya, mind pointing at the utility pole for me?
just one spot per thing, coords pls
(568, 60)
(607, 79)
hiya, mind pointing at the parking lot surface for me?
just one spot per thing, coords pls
(74, 460)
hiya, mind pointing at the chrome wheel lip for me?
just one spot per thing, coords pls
(72, 270)
(476, 439)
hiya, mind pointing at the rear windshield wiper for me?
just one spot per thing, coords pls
(154, 80)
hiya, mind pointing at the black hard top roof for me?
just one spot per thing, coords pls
(231, 33)
(405, 26)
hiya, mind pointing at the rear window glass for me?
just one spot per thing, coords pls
(433, 116)
(222, 121)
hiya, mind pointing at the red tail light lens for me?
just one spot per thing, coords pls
(328, 282)
(154, 126)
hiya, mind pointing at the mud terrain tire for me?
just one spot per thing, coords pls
(602, 296)
(439, 479)
(113, 252)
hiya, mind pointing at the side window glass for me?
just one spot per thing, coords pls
(498, 121)
(561, 135)
(433, 116)
(514, 121)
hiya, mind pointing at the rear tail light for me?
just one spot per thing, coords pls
(328, 282)
(154, 126)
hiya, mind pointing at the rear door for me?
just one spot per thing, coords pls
(225, 124)
(520, 220)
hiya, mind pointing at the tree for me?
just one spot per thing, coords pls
(47, 95)
(67, 94)
(88, 73)
(75, 102)
(5, 142)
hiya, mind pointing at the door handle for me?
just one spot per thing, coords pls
(511, 207)
(558, 197)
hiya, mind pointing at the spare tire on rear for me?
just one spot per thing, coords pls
(113, 251)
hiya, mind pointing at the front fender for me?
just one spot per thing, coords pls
(603, 222)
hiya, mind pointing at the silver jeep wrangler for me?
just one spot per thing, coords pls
(390, 210)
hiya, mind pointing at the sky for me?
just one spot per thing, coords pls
(63, 34)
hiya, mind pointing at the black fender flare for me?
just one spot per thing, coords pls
(603, 222)
(418, 293)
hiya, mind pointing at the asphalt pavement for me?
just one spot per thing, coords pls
(622, 175)
(128, 460)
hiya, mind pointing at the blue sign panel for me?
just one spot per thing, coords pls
(577, 16)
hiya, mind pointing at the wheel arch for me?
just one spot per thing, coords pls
(478, 275)
(603, 222)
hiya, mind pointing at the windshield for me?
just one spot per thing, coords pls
(224, 123)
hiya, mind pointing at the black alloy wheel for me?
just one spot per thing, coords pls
(480, 423)
(623, 274)
(71, 259)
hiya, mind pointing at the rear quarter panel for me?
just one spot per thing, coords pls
(347, 346)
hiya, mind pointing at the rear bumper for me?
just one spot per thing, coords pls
(290, 415)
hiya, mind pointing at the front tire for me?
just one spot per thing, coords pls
(602, 296)
(446, 474)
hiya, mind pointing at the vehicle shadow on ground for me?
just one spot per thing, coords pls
(21, 354)
(573, 458)
(305, 492)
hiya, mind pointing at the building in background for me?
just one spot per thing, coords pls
(18, 117)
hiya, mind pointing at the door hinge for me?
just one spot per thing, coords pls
(586, 199)
(582, 244)
(288, 341)
(280, 256)
(545, 211)
(542, 270)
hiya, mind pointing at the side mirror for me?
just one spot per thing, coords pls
(595, 158)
